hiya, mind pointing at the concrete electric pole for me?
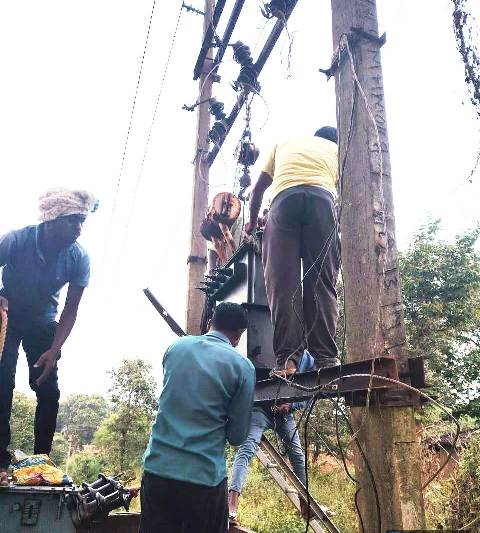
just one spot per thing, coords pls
(373, 302)
(197, 258)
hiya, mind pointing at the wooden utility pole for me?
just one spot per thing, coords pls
(373, 303)
(197, 258)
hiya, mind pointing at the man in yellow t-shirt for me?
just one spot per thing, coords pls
(301, 240)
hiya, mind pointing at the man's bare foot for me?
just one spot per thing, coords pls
(288, 370)
(233, 497)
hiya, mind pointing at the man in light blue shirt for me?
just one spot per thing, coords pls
(206, 401)
(37, 262)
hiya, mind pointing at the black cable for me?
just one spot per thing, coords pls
(129, 129)
(324, 250)
(365, 460)
(149, 135)
(357, 508)
(305, 435)
(287, 446)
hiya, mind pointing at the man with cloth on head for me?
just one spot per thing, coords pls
(37, 262)
(301, 247)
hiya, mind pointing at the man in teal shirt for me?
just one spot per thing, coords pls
(206, 400)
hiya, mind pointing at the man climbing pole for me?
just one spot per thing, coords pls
(37, 262)
(301, 234)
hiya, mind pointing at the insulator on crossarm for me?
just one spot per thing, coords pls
(241, 53)
(218, 131)
(216, 109)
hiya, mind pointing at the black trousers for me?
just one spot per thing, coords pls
(35, 339)
(300, 237)
(171, 506)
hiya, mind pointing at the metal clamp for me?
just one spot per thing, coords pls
(357, 35)
(196, 259)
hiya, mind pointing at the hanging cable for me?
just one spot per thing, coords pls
(157, 102)
(129, 129)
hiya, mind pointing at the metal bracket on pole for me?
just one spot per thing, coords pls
(196, 259)
(192, 9)
(357, 35)
(334, 381)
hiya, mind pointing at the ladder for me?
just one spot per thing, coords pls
(293, 487)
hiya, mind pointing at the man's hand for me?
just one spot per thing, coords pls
(3, 303)
(283, 409)
(249, 228)
(47, 360)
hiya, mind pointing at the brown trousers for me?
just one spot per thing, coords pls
(301, 238)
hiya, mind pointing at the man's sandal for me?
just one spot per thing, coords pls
(232, 519)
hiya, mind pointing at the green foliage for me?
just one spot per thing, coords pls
(85, 466)
(59, 451)
(79, 417)
(265, 509)
(123, 436)
(441, 289)
(465, 498)
(121, 441)
(21, 422)
(133, 386)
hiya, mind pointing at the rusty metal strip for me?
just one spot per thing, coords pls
(329, 381)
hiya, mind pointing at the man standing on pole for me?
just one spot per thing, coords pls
(37, 262)
(301, 247)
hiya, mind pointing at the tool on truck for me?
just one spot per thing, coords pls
(67, 509)
(37, 262)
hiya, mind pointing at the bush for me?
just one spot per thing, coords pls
(465, 496)
(266, 509)
(85, 466)
(59, 451)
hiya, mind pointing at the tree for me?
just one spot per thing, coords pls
(21, 422)
(121, 440)
(59, 453)
(85, 466)
(133, 386)
(441, 289)
(79, 416)
(123, 436)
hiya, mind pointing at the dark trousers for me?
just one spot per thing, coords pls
(35, 339)
(170, 506)
(301, 233)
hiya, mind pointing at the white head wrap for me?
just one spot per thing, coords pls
(63, 202)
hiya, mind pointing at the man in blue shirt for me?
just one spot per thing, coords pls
(206, 400)
(280, 419)
(37, 262)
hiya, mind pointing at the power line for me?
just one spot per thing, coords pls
(130, 122)
(149, 136)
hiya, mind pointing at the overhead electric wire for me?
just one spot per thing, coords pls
(129, 128)
(157, 102)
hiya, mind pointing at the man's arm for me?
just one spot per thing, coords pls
(263, 183)
(67, 320)
(240, 411)
(7, 243)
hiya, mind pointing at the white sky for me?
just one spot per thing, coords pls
(69, 72)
